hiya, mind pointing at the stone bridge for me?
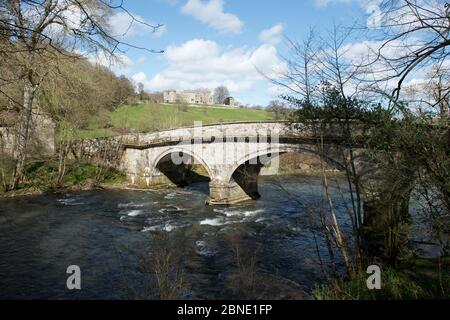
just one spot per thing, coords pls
(232, 155)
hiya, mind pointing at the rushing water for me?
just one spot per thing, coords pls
(106, 233)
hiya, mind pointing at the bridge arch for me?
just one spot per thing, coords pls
(245, 172)
(186, 151)
(165, 171)
(309, 149)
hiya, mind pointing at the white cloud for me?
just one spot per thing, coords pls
(202, 63)
(272, 35)
(192, 51)
(123, 24)
(139, 77)
(212, 13)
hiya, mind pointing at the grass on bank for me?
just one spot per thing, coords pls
(416, 279)
(40, 176)
(156, 117)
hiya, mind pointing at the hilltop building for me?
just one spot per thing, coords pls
(170, 96)
(199, 96)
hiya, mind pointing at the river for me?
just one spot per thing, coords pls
(107, 233)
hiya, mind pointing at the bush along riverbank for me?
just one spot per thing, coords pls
(42, 176)
(416, 278)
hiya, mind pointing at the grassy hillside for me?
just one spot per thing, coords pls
(155, 117)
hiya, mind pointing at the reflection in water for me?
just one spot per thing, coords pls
(106, 232)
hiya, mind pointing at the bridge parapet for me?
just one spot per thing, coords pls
(282, 130)
(211, 132)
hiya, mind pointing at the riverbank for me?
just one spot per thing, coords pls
(41, 178)
(415, 278)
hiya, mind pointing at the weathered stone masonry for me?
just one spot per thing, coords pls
(232, 154)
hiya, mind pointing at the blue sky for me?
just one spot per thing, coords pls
(222, 42)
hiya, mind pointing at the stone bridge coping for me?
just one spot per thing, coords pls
(239, 129)
(284, 131)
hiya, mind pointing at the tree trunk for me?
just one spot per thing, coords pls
(386, 226)
(340, 243)
(22, 137)
(64, 147)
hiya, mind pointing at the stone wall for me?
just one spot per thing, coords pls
(6, 141)
(42, 137)
(170, 96)
(306, 163)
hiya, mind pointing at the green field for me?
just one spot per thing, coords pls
(156, 117)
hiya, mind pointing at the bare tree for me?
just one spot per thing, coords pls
(414, 36)
(124, 90)
(220, 94)
(429, 95)
(301, 75)
(38, 33)
(141, 92)
(77, 93)
(323, 83)
(438, 88)
(279, 108)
